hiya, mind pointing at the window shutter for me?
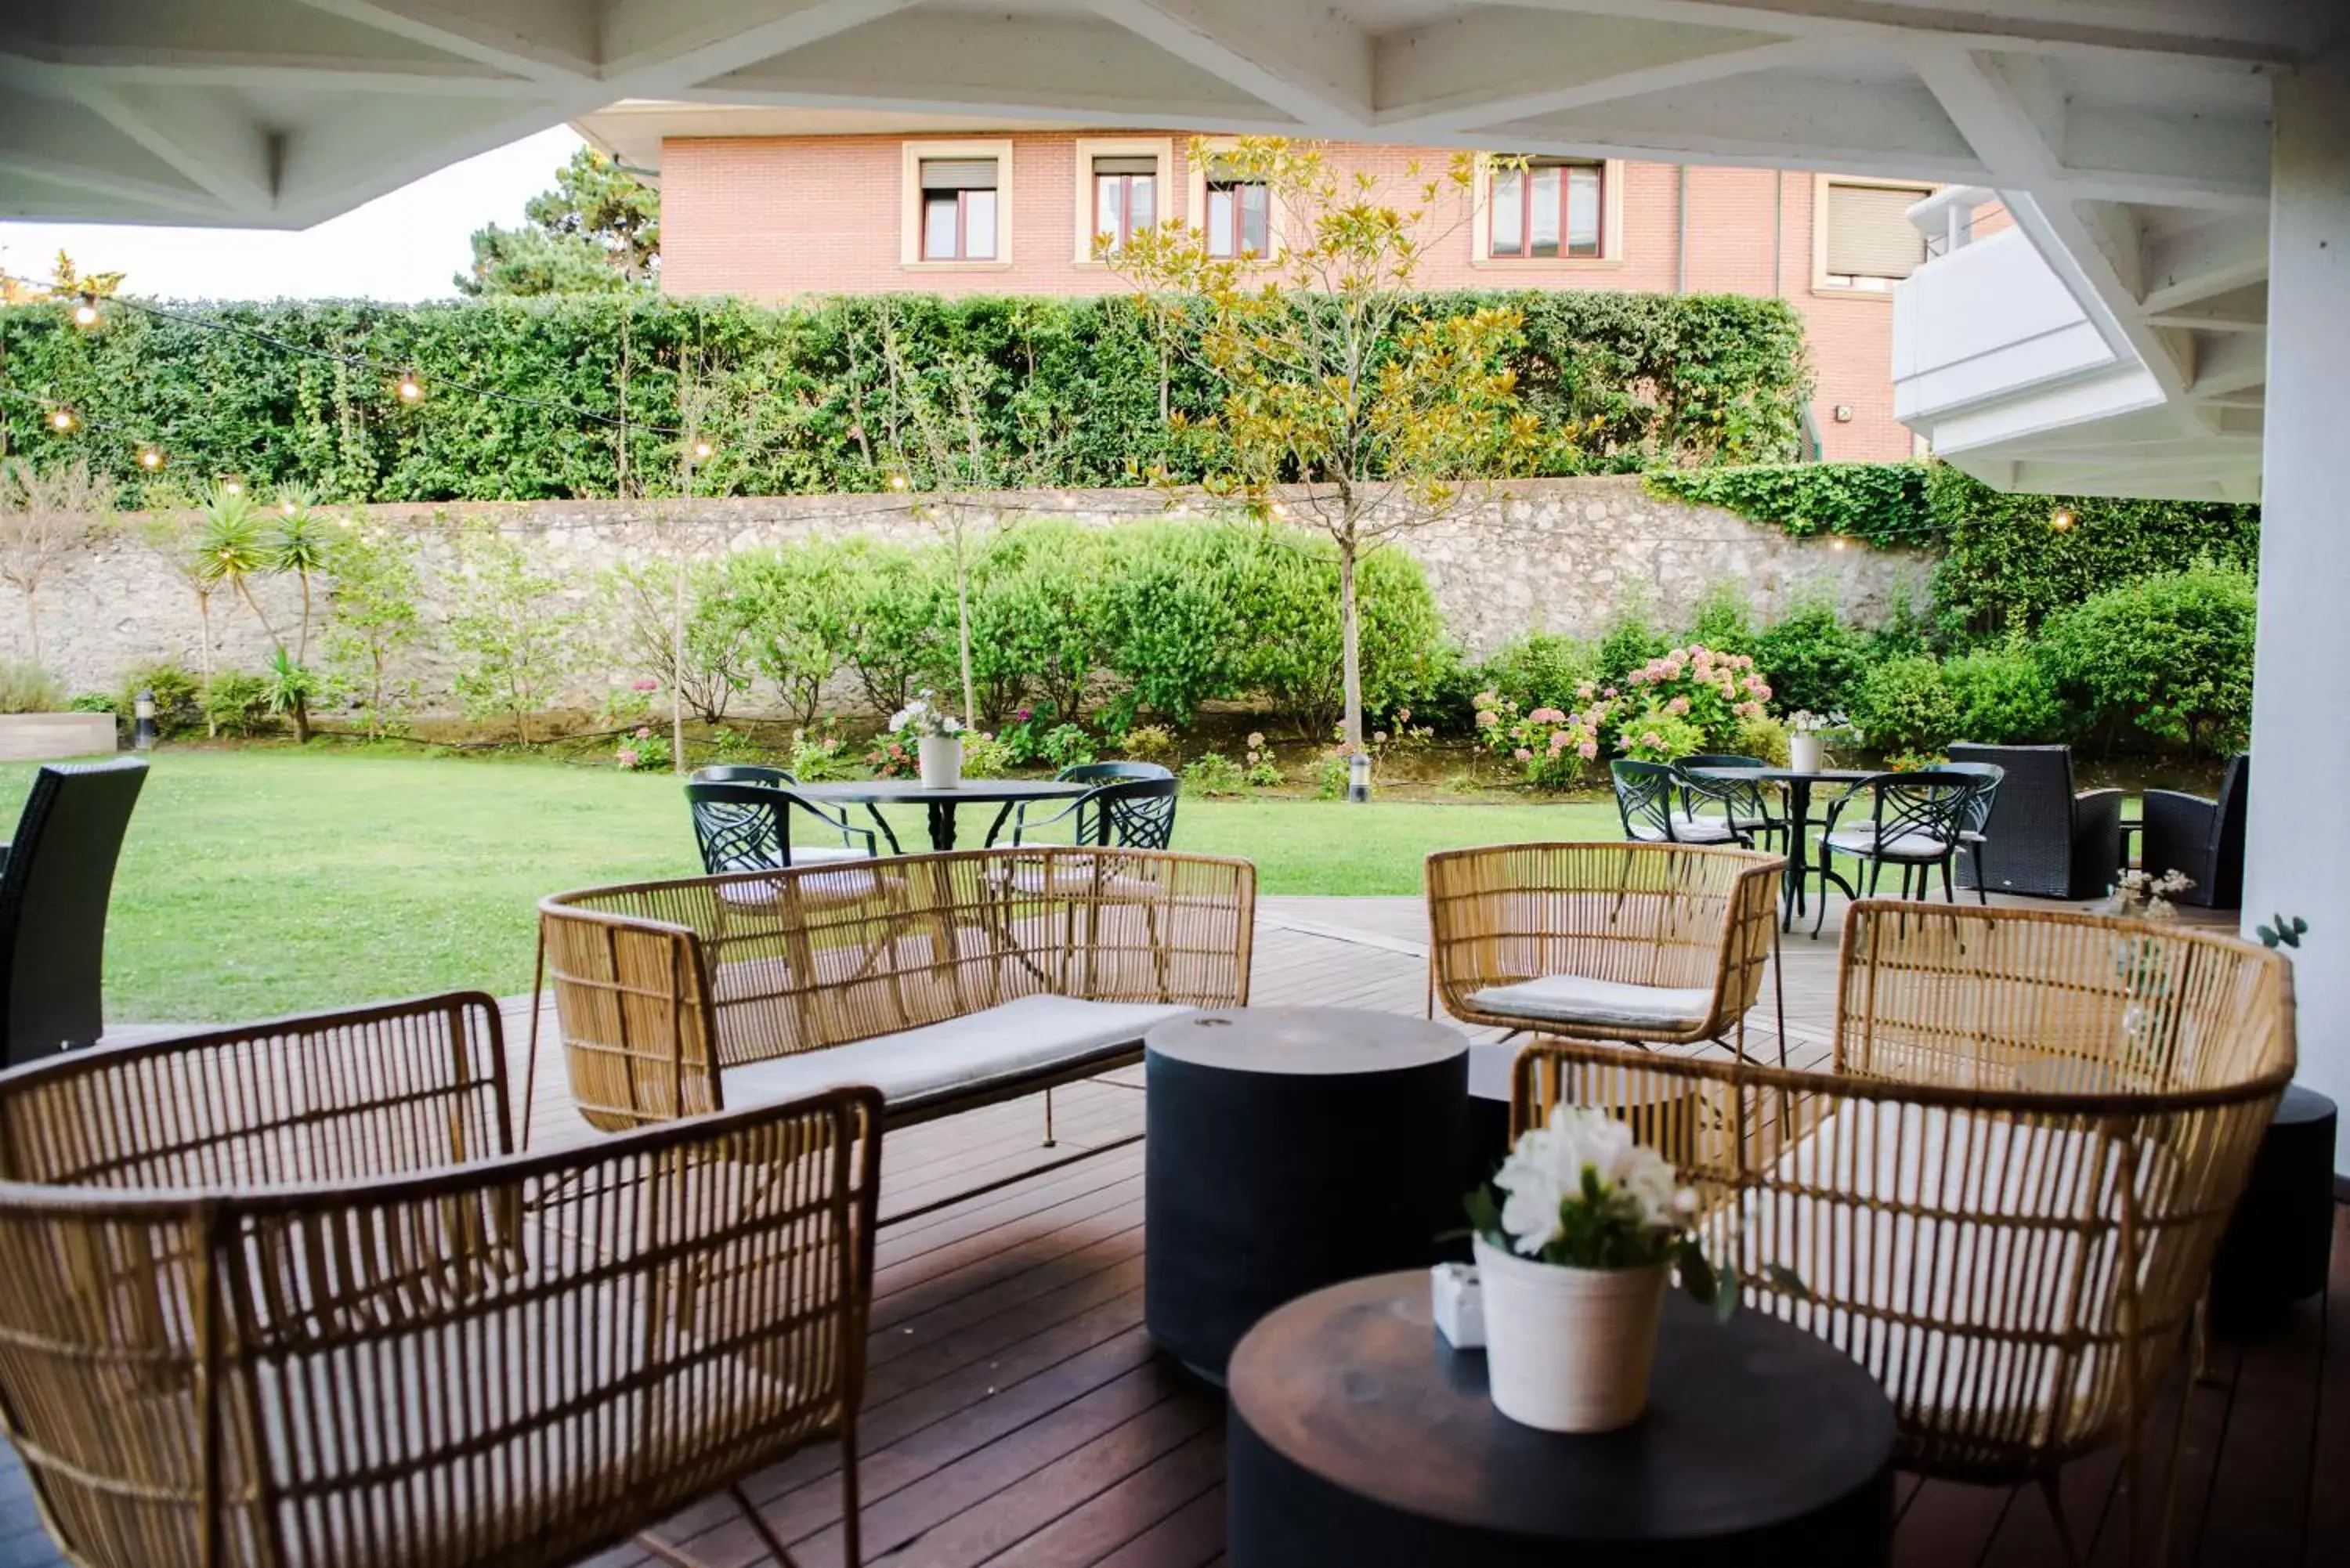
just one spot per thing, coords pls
(1142, 165)
(1868, 236)
(957, 174)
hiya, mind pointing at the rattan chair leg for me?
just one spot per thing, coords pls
(852, 1506)
(1779, 991)
(762, 1528)
(2052, 1492)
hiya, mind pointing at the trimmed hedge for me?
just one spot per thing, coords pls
(1074, 399)
(1881, 503)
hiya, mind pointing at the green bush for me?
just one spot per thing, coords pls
(898, 632)
(2169, 657)
(2004, 696)
(1906, 705)
(1289, 589)
(1072, 399)
(1724, 621)
(1036, 617)
(1811, 659)
(95, 703)
(1629, 642)
(795, 607)
(1536, 669)
(1172, 627)
(1212, 772)
(178, 697)
(28, 689)
(235, 703)
(1882, 504)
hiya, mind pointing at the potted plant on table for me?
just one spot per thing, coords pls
(938, 737)
(1809, 735)
(1575, 1240)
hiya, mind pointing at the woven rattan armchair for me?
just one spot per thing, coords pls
(280, 1296)
(2005, 1195)
(1646, 944)
(949, 980)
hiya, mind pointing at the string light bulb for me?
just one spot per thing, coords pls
(410, 390)
(85, 314)
(1279, 509)
(62, 421)
(232, 486)
(151, 458)
(2062, 520)
(1837, 543)
(702, 451)
(897, 482)
(288, 508)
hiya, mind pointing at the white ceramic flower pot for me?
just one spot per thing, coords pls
(1804, 754)
(942, 761)
(1568, 1350)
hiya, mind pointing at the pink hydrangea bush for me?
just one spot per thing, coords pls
(1709, 690)
(1554, 747)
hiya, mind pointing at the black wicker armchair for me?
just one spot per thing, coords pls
(55, 887)
(2204, 838)
(2043, 836)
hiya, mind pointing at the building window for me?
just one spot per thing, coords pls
(1867, 241)
(1238, 218)
(1126, 198)
(1552, 207)
(959, 209)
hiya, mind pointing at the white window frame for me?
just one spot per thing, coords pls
(1159, 149)
(1612, 193)
(1822, 282)
(910, 234)
(1195, 194)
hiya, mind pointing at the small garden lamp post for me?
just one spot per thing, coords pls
(143, 720)
(1359, 777)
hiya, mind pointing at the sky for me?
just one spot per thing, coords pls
(402, 246)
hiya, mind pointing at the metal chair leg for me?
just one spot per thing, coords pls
(1049, 1140)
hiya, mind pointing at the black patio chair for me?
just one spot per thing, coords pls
(1645, 797)
(1971, 832)
(1102, 772)
(747, 827)
(2204, 838)
(2042, 836)
(1125, 813)
(1747, 806)
(1914, 823)
(742, 773)
(54, 887)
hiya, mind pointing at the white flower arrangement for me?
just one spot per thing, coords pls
(1580, 1193)
(924, 720)
(2147, 896)
(1826, 726)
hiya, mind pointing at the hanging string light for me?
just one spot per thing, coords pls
(897, 482)
(63, 421)
(86, 314)
(410, 389)
(287, 508)
(2062, 520)
(230, 484)
(703, 449)
(151, 458)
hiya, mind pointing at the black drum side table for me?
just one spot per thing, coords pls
(2279, 1243)
(1358, 1436)
(1289, 1148)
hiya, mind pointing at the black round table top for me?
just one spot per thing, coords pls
(1748, 1423)
(1787, 775)
(882, 792)
(1303, 1041)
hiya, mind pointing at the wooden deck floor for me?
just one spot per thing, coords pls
(1017, 1414)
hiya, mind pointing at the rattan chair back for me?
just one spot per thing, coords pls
(277, 1296)
(2005, 1197)
(661, 986)
(1681, 916)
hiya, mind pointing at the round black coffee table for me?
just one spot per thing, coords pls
(2279, 1243)
(1358, 1436)
(1289, 1147)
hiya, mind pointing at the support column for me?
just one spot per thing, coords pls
(2297, 850)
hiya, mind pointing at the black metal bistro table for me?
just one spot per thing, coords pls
(941, 804)
(1358, 1436)
(1799, 821)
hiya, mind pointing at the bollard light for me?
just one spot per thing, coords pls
(1359, 777)
(142, 726)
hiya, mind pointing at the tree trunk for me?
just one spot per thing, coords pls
(677, 661)
(963, 629)
(33, 623)
(301, 721)
(204, 619)
(1350, 633)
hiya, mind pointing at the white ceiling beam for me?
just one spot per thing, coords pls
(1498, 65)
(2193, 264)
(2232, 362)
(553, 42)
(204, 138)
(657, 48)
(1306, 60)
(1818, 125)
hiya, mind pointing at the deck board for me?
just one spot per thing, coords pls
(1017, 1415)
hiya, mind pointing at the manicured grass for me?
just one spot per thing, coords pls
(257, 882)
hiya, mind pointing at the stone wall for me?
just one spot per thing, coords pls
(1548, 555)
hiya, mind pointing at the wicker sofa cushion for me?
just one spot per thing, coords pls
(1605, 1003)
(1009, 1040)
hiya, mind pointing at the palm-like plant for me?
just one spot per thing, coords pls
(303, 546)
(231, 550)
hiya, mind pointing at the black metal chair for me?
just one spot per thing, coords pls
(54, 887)
(1914, 822)
(2042, 836)
(1125, 813)
(1972, 832)
(1746, 804)
(1645, 797)
(742, 773)
(1091, 772)
(2204, 838)
(747, 827)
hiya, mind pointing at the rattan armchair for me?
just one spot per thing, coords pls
(1646, 944)
(280, 1296)
(2004, 1197)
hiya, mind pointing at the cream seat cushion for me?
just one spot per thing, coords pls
(1598, 1003)
(1010, 1040)
(1891, 846)
(1688, 830)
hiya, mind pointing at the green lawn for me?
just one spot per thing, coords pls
(257, 882)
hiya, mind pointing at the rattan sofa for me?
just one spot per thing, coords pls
(283, 1295)
(948, 981)
(2004, 1195)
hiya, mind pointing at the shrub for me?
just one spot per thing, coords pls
(1172, 624)
(1150, 743)
(1723, 620)
(1065, 746)
(1709, 690)
(2170, 655)
(817, 754)
(1212, 772)
(1906, 704)
(1810, 657)
(1761, 736)
(95, 703)
(515, 635)
(28, 689)
(1629, 642)
(1537, 667)
(1551, 746)
(1654, 733)
(1289, 589)
(178, 697)
(795, 608)
(899, 631)
(1882, 504)
(1036, 616)
(983, 756)
(2005, 697)
(238, 704)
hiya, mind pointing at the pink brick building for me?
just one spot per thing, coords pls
(978, 209)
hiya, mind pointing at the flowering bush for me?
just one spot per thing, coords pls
(1657, 734)
(1553, 746)
(642, 751)
(1258, 767)
(893, 758)
(923, 720)
(1577, 1192)
(1711, 691)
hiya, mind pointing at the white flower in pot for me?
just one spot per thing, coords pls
(1571, 1261)
(938, 740)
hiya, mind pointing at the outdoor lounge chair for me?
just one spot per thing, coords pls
(2203, 838)
(283, 1295)
(55, 887)
(2042, 836)
(2003, 1196)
